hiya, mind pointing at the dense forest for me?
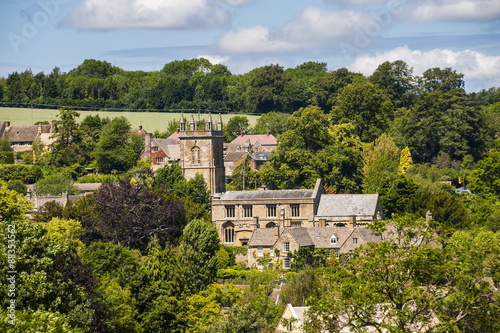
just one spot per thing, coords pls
(141, 254)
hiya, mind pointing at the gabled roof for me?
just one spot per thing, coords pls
(169, 146)
(25, 133)
(262, 156)
(264, 139)
(234, 156)
(301, 236)
(347, 204)
(268, 194)
(263, 237)
(321, 236)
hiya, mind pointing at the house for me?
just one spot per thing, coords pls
(160, 152)
(292, 319)
(237, 214)
(254, 142)
(23, 136)
(268, 245)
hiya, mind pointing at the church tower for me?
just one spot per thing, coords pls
(201, 152)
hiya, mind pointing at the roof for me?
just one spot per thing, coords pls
(169, 146)
(175, 136)
(87, 187)
(347, 204)
(263, 237)
(25, 133)
(262, 156)
(321, 236)
(301, 236)
(268, 194)
(234, 156)
(298, 311)
(264, 139)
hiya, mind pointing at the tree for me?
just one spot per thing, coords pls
(366, 107)
(272, 122)
(117, 149)
(405, 161)
(12, 204)
(133, 214)
(486, 177)
(234, 127)
(266, 87)
(65, 149)
(402, 283)
(395, 78)
(327, 87)
(55, 184)
(380, 163)
(198, 255)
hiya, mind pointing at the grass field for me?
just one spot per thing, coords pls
(150, 121)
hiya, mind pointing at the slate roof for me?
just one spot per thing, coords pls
(262, 195)
(25, 133)
(234, 156)
(321, 236)
(170, 146)
(262, 237)
(368, 235)
(301, 236)
(264, 139)
(262, 156)
(347, 204)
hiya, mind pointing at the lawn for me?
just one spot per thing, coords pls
(150, 121)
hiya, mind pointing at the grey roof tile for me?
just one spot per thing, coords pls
(268, 194)
(347, 204)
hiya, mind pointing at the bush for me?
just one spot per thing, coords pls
(28, 174)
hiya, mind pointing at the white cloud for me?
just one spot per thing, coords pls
(213, 58)
(311, 29)
(237, 3)
(451, 10)
(117, 14)
(474, 65)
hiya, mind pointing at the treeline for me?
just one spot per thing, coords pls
(198, 84)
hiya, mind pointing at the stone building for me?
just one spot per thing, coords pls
(23, 136)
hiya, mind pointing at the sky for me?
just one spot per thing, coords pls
(246, 34)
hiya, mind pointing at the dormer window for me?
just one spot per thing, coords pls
(333, 239)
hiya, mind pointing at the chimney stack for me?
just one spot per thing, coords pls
(352, 221)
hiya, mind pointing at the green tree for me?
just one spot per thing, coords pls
(117, 149)
(65, 149)
(12, 204)
(366, 107)
(198, 255)
(327, 87)
(380, 163)
(234, 127)
(395, 78)
(273, 122)
(486, 177)
(55, 184)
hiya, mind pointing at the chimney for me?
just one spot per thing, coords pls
(256, 222)
(268, 132)
(352, 221)
(322, 223)
(276, 232)
(428, 215)
(242, 134)
(7, 123)
(39, 129)
(140, 127)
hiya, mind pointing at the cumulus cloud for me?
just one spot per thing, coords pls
(451, 10)
(213, 58)
(238, 3)
(311, 28)
(474, 65)
(167, 14)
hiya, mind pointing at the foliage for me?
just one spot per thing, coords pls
(300, 287)
(12, 204)
(486, 177)
(133, 215)
(198, 255)
(272, 122)
(235, 126)
(65, 149)
(366, 107)
(55, 184)
(405, 161)
(28, 174)
(18, 186)
(380, 163)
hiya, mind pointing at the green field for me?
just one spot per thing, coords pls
(150, 121)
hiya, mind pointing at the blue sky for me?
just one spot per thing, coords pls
(245, 34)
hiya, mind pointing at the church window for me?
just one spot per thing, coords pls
(247, 211)
(295, 210)
(271, 210)
(196, 155)
(228, 232)
(230, 211)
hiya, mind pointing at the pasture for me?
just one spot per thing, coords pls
(150, 121)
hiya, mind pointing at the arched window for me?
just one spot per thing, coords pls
(333, 239)
(228, 228)
(195, 155)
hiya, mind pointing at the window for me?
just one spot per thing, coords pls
(295, 210)
(336, 253)
(296, 224)
(333, 239)
(355, 241)
(196, 155)
(228, 232)
(260, 251)
(286, 246)
(247, 211)
(230, 211)
(286, 262)
(154, 148)
(160, 159)
(271, 210)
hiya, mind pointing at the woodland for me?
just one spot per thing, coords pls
(142, 255)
